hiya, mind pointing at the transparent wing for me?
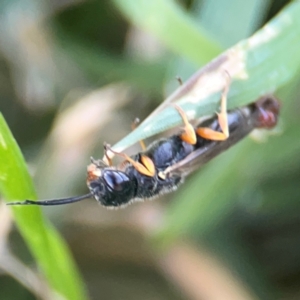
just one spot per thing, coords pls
(240, 125)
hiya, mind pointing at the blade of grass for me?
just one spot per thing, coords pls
(259, 65)
(232, 20)
(174, 27)
(47, 247)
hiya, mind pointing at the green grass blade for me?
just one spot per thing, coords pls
(174, 27)
(259, 65)
(232, 20)
(47, 247)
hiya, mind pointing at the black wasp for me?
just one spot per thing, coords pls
(162, 167)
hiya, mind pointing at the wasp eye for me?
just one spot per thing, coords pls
(115, 180)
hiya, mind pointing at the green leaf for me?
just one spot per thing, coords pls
(232, 20)
(47, 247)
(173, 26)
(259, 65)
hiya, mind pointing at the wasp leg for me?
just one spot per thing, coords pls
(188, 135)
(145, 167)
(211, 134)
(133, 126)
(179, 80)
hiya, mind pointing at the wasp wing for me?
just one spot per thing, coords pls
(194, 161)
(240, 125)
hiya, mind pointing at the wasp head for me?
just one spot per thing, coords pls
(111, 187)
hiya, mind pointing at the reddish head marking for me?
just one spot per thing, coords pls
(268, 108)
(93, 172)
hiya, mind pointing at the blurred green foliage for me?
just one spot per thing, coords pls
(244, 206)
(44, 242)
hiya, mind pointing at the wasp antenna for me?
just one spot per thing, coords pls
(53, 201)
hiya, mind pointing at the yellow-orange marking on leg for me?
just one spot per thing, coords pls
(146, 167)
(211, 134)
(148, 163)
(188, 135)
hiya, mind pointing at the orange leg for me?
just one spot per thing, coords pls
(137, 165)
(146, 167)
(211, 134)
(188, 135)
